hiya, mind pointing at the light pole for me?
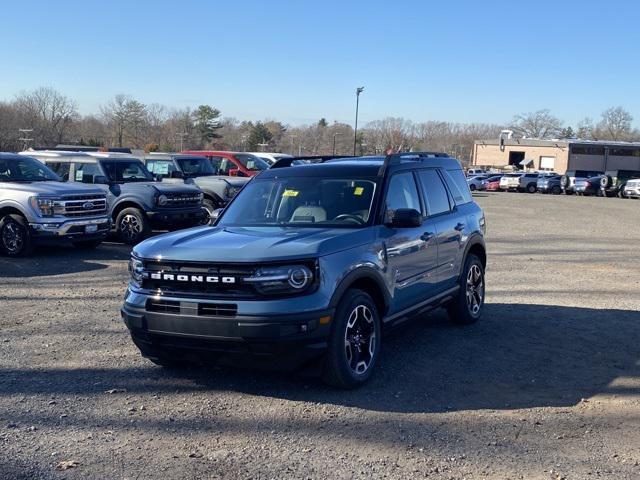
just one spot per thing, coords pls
(359, 90)
(334, 141)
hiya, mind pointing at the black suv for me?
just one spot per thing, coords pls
(614, 181)
(314, 260)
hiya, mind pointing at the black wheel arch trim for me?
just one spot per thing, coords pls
(366, 273)
(475, 239)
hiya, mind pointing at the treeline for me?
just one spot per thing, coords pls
(45, 117)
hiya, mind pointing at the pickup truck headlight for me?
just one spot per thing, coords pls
(135, 271)
(162, 200)
(47, 206)
(279, 280)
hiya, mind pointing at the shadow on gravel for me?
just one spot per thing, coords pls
(517, 356)
(59, 260)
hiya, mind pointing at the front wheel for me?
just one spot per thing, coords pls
(354, 345)
(466, 308)
(132, 226)
(556, 190)
(208, 206)
(532, 188)
(15, 239)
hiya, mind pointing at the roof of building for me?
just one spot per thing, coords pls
(536, 142)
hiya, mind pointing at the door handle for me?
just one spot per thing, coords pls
(459, 227)
(426, 236)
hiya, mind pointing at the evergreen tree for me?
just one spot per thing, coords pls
(206, 121)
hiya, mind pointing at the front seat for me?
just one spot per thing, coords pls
(310, 213)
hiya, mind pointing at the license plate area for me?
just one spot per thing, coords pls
(90, 228)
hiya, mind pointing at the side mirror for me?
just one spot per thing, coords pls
(100, 180)
(157, 177)
(176, 174)
(405, 218)
(216, 215)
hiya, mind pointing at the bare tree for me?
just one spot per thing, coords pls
(49, 113)
(127, 119)
(615, 124)
(540, 124)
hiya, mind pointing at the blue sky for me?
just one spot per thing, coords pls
(297, 61)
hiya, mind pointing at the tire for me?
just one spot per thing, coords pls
(472, 187)
(532, 188)
(209, 206)
(15, 238)
(621, 193)
(88, 244)
(564, 181)
(466, 308)
(356, 328)
(556, 190)
(170, 364)
(605, 181)
(132, 226)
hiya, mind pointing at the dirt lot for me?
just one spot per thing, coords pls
(545, 386)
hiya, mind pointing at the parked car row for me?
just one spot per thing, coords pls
(57, 196)
(612, 183)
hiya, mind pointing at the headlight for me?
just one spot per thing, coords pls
(135, 271)
(162, 200)
(47, 206)
(282, 279)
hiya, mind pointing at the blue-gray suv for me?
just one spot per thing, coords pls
(314, 261)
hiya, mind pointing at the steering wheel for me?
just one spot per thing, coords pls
(349, 216)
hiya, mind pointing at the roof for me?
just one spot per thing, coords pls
(559, 143)
(368, 166)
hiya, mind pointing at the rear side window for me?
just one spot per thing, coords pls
(85, 171)
(163, 168)
(435, 193)
(62, 169)
(458, 186)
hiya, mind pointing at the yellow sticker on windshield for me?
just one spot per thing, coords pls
(290, 193)
(358, 191)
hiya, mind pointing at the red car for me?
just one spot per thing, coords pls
(492, 185)
(235, 164)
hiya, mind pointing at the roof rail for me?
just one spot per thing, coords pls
(289, 161)
(416, 156)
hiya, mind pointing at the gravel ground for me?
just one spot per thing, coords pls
(545, 386)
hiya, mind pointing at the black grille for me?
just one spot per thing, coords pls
(189, 308)
(179, 199)
(220, 289)
(163, 306)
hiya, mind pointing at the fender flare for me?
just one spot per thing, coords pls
(17, 206)
(473, 240)
(365, 272)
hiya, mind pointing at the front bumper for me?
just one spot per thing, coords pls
(185, 331)
(163, 218)
(70, 230)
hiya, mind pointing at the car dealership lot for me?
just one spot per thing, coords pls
(548, 380)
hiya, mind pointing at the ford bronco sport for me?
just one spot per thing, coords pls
(37, 207)
(314, 260)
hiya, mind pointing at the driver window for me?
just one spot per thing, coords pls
(402, 193)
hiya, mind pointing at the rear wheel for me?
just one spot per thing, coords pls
(532, 188)
(556, 190)
(209, 206)
(466, 308)
(132, 226)
(354, 344)
(15, 239)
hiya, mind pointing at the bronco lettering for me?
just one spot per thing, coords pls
(190, 278)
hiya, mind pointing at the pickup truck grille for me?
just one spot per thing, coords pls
(83, 205)
(182, 199)
(193, 279)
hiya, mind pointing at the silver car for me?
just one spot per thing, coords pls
(632, 188)
(477, 183)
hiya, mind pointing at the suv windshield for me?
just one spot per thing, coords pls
(302, 202)
(196, 167)
(124, 171)
(251, 162)
(25, 170)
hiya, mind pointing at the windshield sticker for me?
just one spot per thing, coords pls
(290, 193)
(358, 191)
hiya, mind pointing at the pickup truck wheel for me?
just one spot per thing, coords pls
(354, 344)
(466, 308)
(132, 226)
(88, 244)
(209, 207)
(15, 239)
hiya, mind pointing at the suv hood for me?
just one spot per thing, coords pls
(51, 188)
(160, 187)
(251, 244)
